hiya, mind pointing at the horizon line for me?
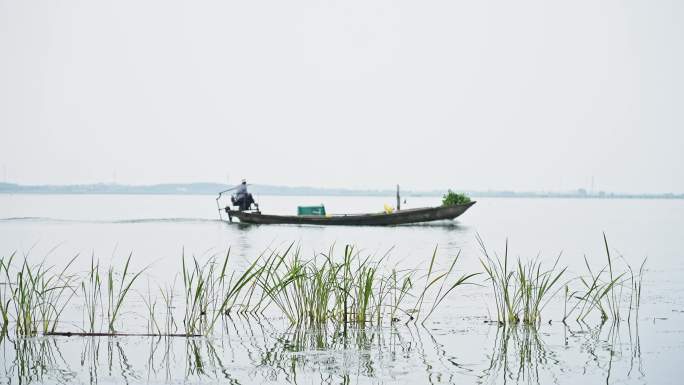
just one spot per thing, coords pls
(187, 188)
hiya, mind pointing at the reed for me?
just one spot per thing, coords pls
(202, 287)
(345, 285)
(33, 296)
(442, 292)
(117, 291)
(401, 284)
(150, 303)
(595, 294)
(520, 292)
(337, 288)
(428, 284)
(354, 289)
(25, 300)
(211, 293)
(91, 288)
(309, 291)
(232, 290)
(195, 280)
(537, 287)
(301, 290)
(602, 291)
(55, 293)
(267, 277)
(365, 286)
(167, 297)
(5, 294)
(636, 284)
(501, 283)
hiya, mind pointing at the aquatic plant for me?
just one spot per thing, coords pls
(439, 278)
(635, 297)
(522, 292)
(304, 291)
(210, 293)
(596, 294)
(91, 287)
(233, 288)
(340, 288)
(150, 303)
(442, 292)
(5, 295)
(354, 289)
(34, 296)
(400, 285)
(197, 296)
(351, 289)
(56, 291)
(167, 297)
(117, 290)
(537, 287)
(602, 291)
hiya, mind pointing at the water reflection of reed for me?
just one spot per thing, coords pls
(517, 355)
(322, 350)
(607, 343)
(371, 353)
(34, 360)
(318, 348)
(521, 355)
(251, 349)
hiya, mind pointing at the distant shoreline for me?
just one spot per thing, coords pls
(215, 188)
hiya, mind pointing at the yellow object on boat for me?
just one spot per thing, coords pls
(388, 209)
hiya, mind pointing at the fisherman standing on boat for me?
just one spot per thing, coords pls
(241, 190)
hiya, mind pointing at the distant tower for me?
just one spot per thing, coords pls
(592, 185)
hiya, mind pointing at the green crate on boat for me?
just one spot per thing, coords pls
(311, 210)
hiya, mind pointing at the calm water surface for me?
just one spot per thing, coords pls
(456, 346)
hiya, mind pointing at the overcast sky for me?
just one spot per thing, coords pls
(522, 95)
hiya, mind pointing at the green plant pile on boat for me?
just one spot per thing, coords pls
(452, 198)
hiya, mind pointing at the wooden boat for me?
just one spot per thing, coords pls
(400, 217)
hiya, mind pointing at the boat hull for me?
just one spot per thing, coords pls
(427, 214)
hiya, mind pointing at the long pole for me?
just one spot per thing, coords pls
(398, 199)
(219, 206)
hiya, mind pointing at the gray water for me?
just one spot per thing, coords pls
(456, 346)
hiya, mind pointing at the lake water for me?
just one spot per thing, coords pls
(455, 346)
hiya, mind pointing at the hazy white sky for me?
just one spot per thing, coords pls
(524, 95)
